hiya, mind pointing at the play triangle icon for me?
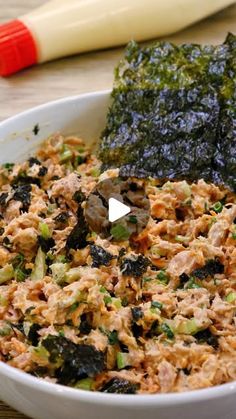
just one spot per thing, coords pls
(116, 210)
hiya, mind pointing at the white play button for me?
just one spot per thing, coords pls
(116, 210)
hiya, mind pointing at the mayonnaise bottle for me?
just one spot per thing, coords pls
(66, 27)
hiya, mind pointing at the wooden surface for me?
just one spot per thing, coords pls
(89, 72)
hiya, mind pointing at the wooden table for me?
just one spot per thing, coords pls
(85, 73)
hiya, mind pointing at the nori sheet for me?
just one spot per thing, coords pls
(173, 110)
(225, 155)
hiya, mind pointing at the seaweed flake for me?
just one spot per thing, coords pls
(134, 266)
(211, 268)
(120, 386)
(99, 256)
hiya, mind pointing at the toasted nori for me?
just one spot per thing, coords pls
(99, 256)
(33, 335)
(77, 238)
(46, 244)
(137, 313)
(120, 386)
(23, 194)
(205, 336)
(3, 198)
(135, 266)
(168, 110)
(225, 155)
(77, 361)
(211, 268)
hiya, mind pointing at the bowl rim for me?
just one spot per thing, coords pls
(140, 400)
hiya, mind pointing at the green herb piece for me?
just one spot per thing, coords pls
(133, 219)
(62, 259)
(231, 297)
(192, 284)
(124, 302)
(20, 275)
(66, 154)
(119, 232)
(6, 273)
(163, 277)
(121, 359)
(217, 207)
(95, 172)
(40, 267)
(6, 330)
(51, 208)
(107, 299)
(167, 330)
(84, 384)
(113, 337)
(73, 307)
(103, 289)
(156, 304)
(59, 271)
(234, 235)
(182, 239)
(117, 302)
(187, 327)
(8, 166)
(147, 279)
(80, 160)
(45, 231)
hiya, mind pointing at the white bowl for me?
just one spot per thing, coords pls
(85, 115)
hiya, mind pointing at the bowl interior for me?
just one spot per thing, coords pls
(82, 115)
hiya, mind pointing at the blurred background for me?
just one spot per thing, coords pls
(87, 72)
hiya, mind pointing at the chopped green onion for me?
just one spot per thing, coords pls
(113, 337)
(20, 275)
(234, 235)
(8, 166)
(62, 259)
(191, 284)
(51, 208)
(121, 359)
(5, 331)
(45, 231)
(40, 267)
(187, 327)
(95, 172)
(182, 239)
(107, 299)
(124, 302)
(231, 297)
(119, 232)
(80, 160)
(167, 330)
(163, 276)
(6, 273)
(156, 304)
(74, 307)
(133, 219)
(217, 207)
(66, 154)
(59, 271)
(84, 384)
(3, 301)
(117, 302)
(103, 290)
(41, 352)
(147, 279)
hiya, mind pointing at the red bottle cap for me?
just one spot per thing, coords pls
(17, 48)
